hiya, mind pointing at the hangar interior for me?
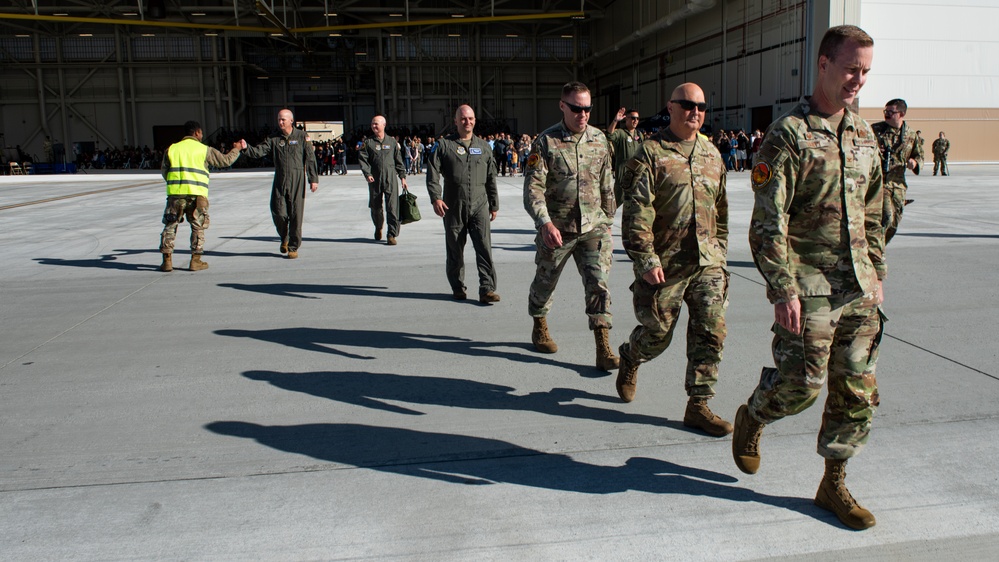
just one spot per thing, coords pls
(118, 73)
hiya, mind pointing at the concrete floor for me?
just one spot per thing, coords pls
(342, 406)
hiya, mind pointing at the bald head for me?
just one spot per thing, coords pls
(686, 110)
(378, 126)
(285, 120)
(464, 121)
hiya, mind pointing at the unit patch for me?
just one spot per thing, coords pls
(761, 175)
(532, 160)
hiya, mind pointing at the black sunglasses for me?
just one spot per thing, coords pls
(578, 108)
(688, 105)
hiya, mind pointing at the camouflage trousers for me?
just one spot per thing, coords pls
(893, 205)
(657, 307)
(839, 343)
(940, 164)
(195, 208)
(593, 253)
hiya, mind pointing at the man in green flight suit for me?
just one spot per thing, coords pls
(382, 166)
(624, 142)
(468, 202)
(294, 161)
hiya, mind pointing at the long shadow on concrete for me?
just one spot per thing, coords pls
(301, 291)
(946, 235)
(274, 239)
(461, 459)
(110, 261)
(371, 390)
(325, 340)
(331, 340)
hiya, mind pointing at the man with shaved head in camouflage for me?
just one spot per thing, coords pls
(675, 230)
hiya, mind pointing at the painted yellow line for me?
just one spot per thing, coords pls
(85, 193)
(259, 29)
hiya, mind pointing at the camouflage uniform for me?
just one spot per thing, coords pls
(896, 147)
(816, 235)
(940, 148)
(624, 146)
(382, 160)
(676, 218)
(468, 171)
(569, 183)
(194, 207)
(294, 166)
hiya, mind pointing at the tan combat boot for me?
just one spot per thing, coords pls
(167, 264)
(539, 336)
(746, 441)
(627, 377)
(834, 496)
(606, 360)
(699, 416)
(197, 264)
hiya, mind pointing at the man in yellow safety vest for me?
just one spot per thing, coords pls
(185, 169)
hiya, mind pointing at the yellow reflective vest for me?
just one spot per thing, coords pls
(188, 173)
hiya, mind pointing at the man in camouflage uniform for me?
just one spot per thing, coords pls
(817, 239)
(294, 163)
(381, 163)
(624, 143)
(185, 169)
(940, 148)
(468, 202)
(568, 191)
(900, 150)
(675, 230)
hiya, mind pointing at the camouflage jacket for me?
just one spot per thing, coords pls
(382, 160)
(624, 146)
(468, 175)
(675, 206)
(570, 184)
(816, 225)
(899, 145)
(940, 147)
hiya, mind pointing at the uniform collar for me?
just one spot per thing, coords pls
(818, 123)
(565, 133)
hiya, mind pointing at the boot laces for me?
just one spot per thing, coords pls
(838, 475)
(753, 443)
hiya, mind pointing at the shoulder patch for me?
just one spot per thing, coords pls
(532, 160)
(761, 175)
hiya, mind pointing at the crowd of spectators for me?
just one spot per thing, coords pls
(737, 148)
(511, 150)
(125, 158)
